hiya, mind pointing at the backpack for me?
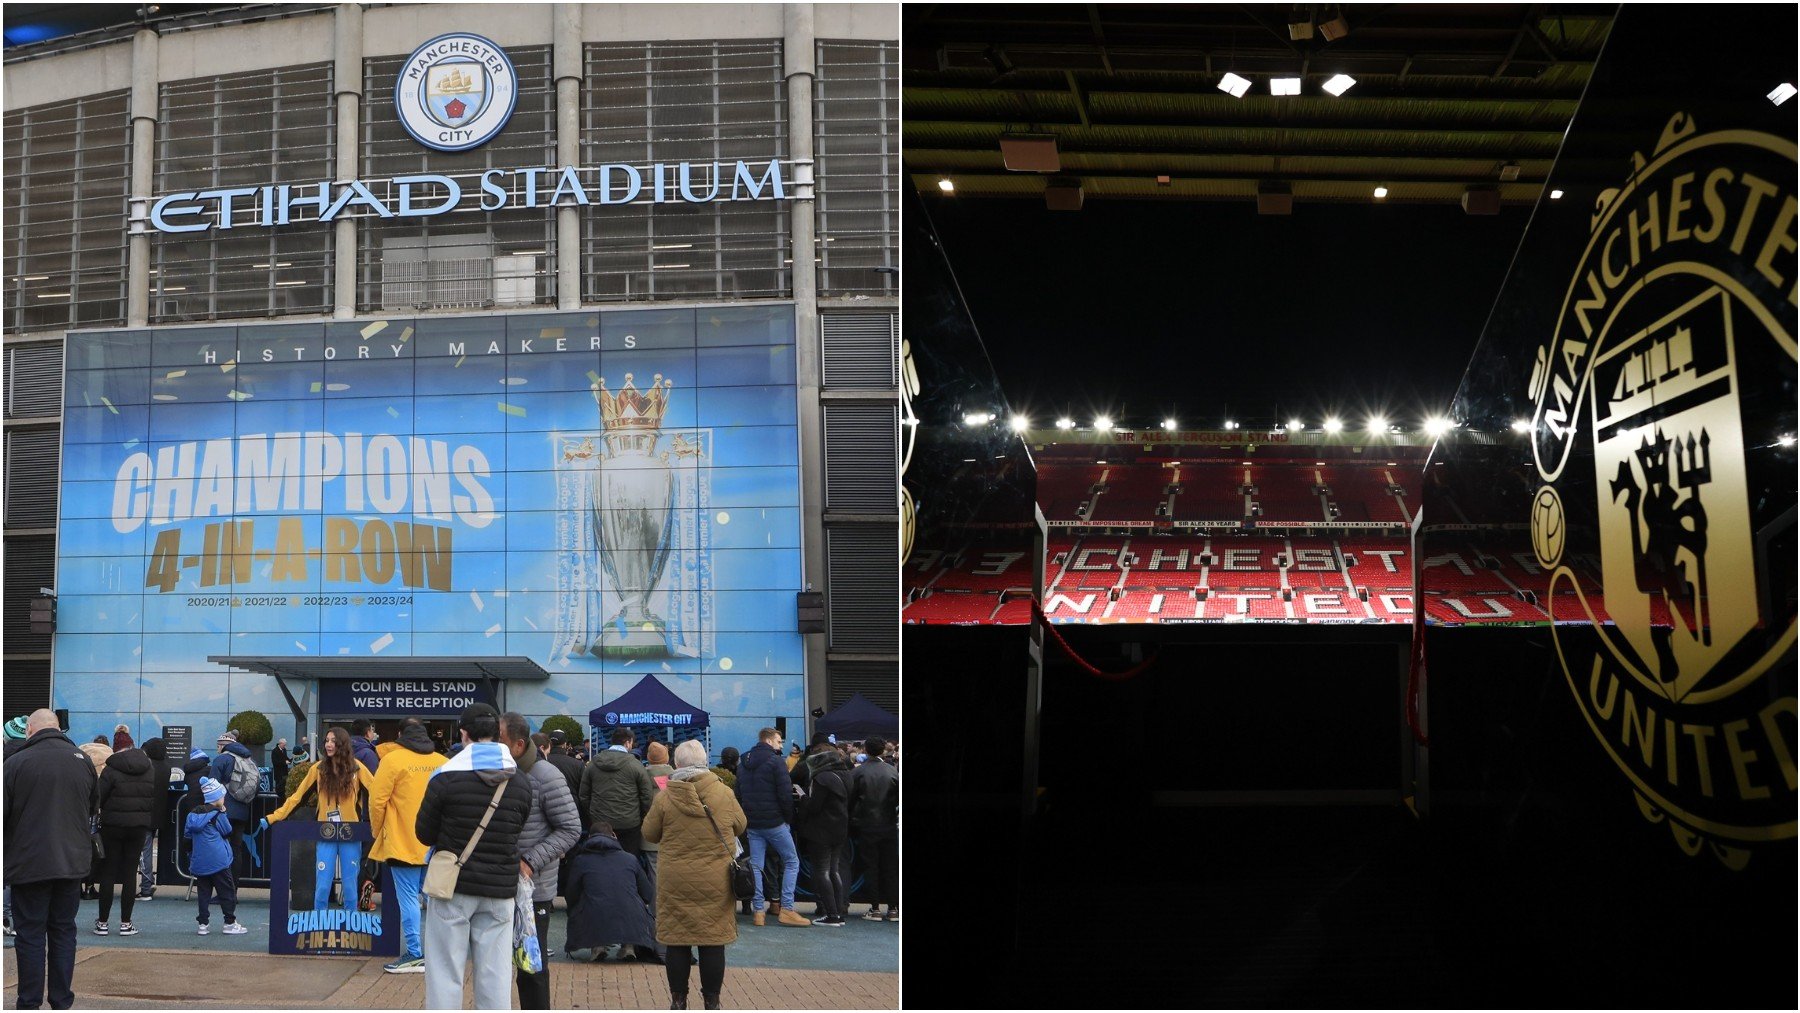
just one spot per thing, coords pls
(246, 779)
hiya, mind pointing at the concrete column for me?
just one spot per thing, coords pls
(565, 57)
(798, 62)
(348, 77)
(144, 74)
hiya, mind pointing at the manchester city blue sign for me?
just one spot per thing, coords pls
(456, 92)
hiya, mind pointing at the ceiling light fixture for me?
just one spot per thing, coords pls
(1234, 85)
(1381, 193)
(1339, 84)
(1782, 93)
(946, 186)
(1556, 195)
(1284, 86)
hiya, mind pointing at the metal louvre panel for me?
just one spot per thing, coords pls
(34, 380)
(863, 565)
(856, 120)
(877, 680)
(68, 166)
(464, 260)
(31, 477)
(669, 102)
(30, 564)
(244, 130)
(27, 685)
(860, 350)
(862, 445)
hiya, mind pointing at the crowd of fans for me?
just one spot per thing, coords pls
(637, 839)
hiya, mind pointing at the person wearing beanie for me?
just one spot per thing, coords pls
(127, 804)
(122, 738)
(728, 765)
(210, 830)
(15, 735)
(236, 809)
(197, 765)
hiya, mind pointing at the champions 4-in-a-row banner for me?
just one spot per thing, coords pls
(601, 492)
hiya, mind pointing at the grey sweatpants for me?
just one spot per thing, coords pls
(462, 929)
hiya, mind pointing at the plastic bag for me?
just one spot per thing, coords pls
(527, 954)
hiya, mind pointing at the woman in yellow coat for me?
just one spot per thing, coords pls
(338, 776)
(693, 883)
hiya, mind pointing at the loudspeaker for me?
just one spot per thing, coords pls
(1274, 199)
(1063, 195)
(1030, 152)
(1481, 200)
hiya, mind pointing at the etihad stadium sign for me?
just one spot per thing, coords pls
(427, 195)
(456, 93)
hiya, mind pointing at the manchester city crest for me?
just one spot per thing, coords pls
(456, 92)
(1663, 433)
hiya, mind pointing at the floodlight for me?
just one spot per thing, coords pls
(1339, 84)
(1065, 423)
(1521, 426)
(1380, 192)
(1295, 425)
(1103, 424)
(1234, 85)
(946, 186)
(1020, 423)
(977, 418)
(1436, 426)
(1333, 425)
(1556, 195)
(1169, 424)
(1786, 439)
(1782, 93)
(1378, 425)
(1284, 86)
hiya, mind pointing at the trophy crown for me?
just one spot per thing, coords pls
(631, 408)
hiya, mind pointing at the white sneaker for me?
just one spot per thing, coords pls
(234, 929)
(204, 929)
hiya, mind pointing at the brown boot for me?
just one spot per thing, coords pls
(790, 917)
(756, 918)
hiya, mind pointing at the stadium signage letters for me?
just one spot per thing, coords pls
(399, 696)
(1678, 324)
(649, 718)
(427, 195)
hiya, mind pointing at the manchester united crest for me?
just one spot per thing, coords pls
(1662, 404)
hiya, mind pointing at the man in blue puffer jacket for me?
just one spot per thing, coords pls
(767, 795)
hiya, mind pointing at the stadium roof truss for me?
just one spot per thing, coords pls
(1447, 97)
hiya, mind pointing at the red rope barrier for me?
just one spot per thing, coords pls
(1086, 665)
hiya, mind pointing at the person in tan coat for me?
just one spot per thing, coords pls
(694, 902)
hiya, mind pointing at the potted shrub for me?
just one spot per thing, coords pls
(254, 731)
(571, 728)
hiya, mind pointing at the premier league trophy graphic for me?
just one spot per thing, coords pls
(633, 490)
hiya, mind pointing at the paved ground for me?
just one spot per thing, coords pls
(774, 967)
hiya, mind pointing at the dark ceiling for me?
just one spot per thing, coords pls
(1446, 97)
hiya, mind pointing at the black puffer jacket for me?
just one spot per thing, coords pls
(192, 771)
(158, 752)
(825, 815)
(128, 791)
(764, 788)
(454, 803)
(49, 792)
(609, 897)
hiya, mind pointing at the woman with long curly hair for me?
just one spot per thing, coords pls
(338, 776)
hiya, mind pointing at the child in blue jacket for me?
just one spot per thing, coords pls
(210, 830)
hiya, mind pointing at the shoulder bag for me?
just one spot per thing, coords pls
(443, 868)
(743, 878)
